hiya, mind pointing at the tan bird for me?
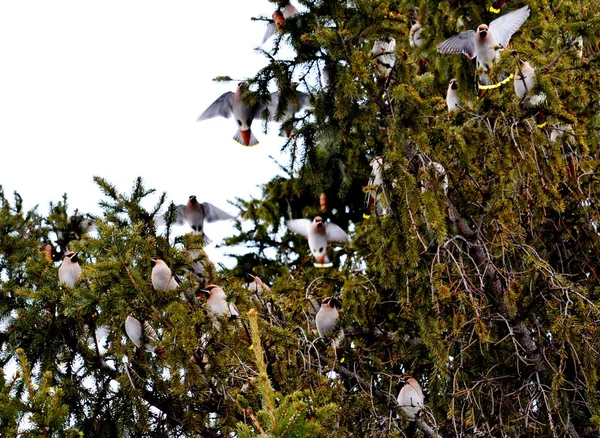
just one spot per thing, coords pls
(327, 317)
(147, 336)
(411, 397)
(162, 278)
(217, 304)
(69, 271)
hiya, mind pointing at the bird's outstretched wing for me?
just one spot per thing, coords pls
(181, 215)
(335, 233)
(461, 43)
(220, 107)
(213, 214)
(506, 25)
(299, 226)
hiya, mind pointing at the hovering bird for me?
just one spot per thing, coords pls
(231, 103)
(411, 397)
(452, 96)
(217, 304)
(294, 105)
(162, 279)
(327, 317)
(318, 233)
(415, 35)
(524, 82)
(69, 271)
(195, 213)
(486, 42)
(384, 51)
(147, 336)
(279, 18)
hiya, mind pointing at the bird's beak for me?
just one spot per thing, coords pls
(246, 136)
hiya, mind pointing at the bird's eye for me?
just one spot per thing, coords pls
(321, 249)
(239, 122)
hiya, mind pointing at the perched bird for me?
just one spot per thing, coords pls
(217, 304)
(162, 278)
(294, 105)
(487, 41)
(69, 271)
(279, 18)
(256, 284)
(524, 82)
(442, 176)
(195, 213)
(327, 317)
(415, 35)
(318, 233)
(199, 265)
(376, 197)
(147, 336)
(231, 103)
(384, 51)
(411, 397)
(452, 96)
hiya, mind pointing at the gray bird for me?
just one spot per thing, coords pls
(486, 42)
(411, 397)
(147, 336)
(384, 51)
(327, 317)
(452, 96)
(69, 271)
(231, 103)
(319, 234)
(415, 35)
(294, 105)
(195, 213)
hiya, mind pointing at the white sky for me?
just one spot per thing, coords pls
(113, 88)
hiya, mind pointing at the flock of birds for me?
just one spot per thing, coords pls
(484, 44)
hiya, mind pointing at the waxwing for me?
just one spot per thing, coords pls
(195, 213)
(415, 35)
(327, 317)
(452, 96)
(217, 304)
(231, 103)
(162, 278)
(384, 51)
(294, 105)
(377, 198)
(487, 41)
(256, 284)
(411, 397)
(279, 18)
(148, 336)
(318, 233)
(524, 82)
(69, 271)
(442, 176)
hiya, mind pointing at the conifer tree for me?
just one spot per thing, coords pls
(471, 265)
